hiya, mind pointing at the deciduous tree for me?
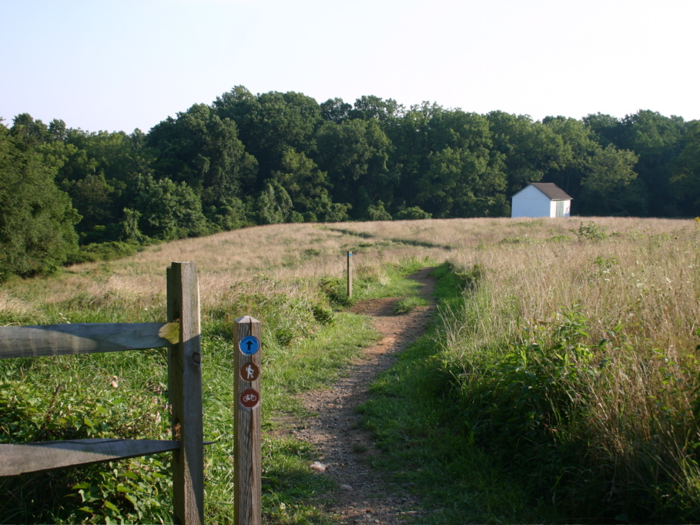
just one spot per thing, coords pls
(36, 218)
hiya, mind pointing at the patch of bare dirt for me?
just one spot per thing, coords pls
(346, 449)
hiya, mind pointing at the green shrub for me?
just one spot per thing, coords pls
(128, 490)
(323, 314)
(377, 212)
(590, 232)
(414, 213)
(335, 290)
(470, 279)
(105, 251)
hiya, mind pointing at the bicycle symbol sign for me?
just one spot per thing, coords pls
(249, 345)
(249, 398)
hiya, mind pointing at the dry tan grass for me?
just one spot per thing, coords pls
(469, 233)
(290, 258)
(648, 283)
(287, 254)
(12, 305)
(640, 290)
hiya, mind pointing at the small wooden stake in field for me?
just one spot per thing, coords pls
(247, 454)
(349, 275)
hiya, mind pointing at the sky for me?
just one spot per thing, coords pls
(117, 65)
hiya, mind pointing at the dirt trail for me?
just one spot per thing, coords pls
(346, 449)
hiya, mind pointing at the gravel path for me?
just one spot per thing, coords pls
(346, 450)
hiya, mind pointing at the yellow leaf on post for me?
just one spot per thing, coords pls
(171, 332)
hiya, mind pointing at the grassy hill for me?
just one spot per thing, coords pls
(567, 349)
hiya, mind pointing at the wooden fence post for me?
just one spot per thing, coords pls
(349, 275)
(185, 393)
(247, 452)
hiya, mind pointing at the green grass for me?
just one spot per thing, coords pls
(427, 446)
(423, 445)
(290, 488)
(85, 394)
(407, 304)
(78, 397)
(306, 346)
(374, 282)
(506, 433)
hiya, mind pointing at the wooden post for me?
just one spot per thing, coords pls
(349, 275)
(185, 392)
(246, 403)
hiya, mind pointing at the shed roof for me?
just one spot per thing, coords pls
(552, 191)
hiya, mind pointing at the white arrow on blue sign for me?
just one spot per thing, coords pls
(249, 345)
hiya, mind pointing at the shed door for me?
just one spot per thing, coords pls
(560, 208)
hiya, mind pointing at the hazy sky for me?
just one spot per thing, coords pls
(122, 64)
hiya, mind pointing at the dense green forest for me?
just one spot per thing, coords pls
(71, 195)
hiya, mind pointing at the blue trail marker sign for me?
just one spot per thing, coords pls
(249, 345)
(246, 413)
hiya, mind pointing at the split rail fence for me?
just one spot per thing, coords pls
(182, 334)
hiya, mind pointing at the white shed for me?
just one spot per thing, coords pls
(541, 199)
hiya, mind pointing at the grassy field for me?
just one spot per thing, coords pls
(566, 351)
(588, 349)
(570, 359)
(289, 276)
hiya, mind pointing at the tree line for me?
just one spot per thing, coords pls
(69, 195)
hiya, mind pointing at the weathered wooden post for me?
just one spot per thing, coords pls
(185, 392)
(247, 452)
(349, 275)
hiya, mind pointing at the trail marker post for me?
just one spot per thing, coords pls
(349, 275)
(246, 413)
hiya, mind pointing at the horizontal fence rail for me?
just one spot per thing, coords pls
(85, 338)
(50, 455)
